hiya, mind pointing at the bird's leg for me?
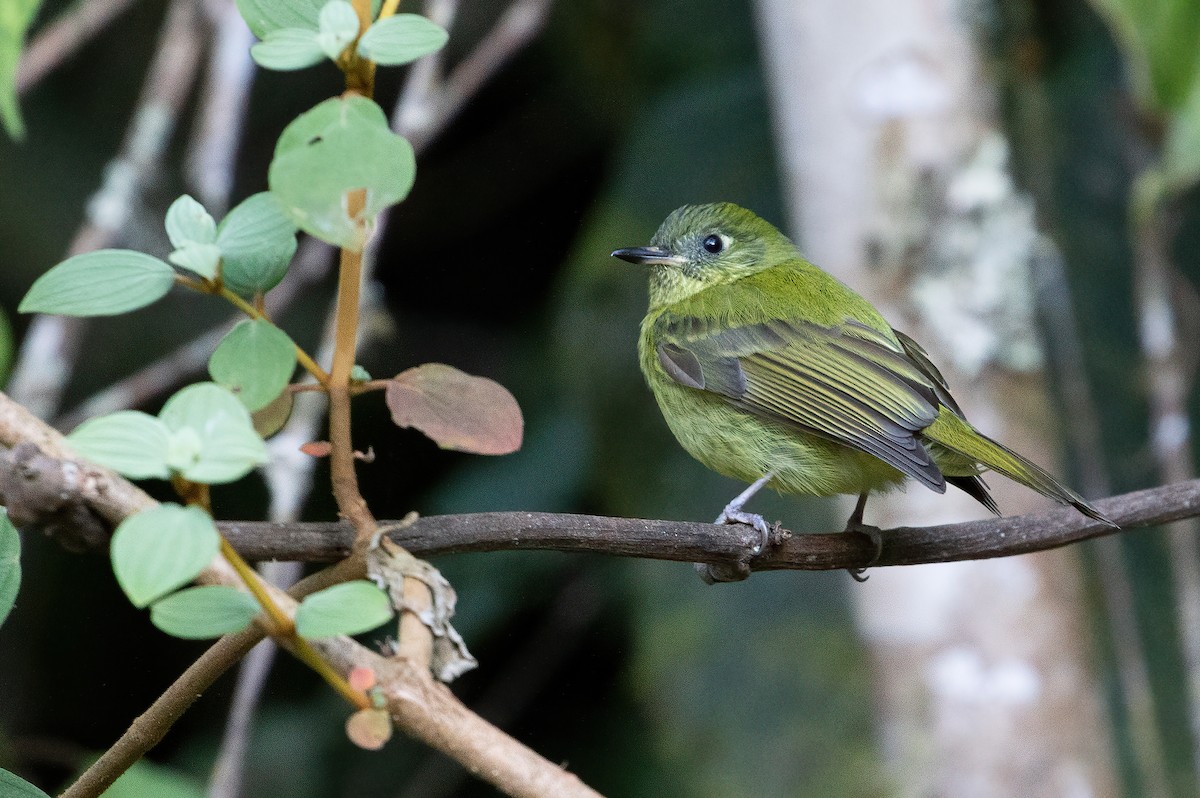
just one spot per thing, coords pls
(733, 514)
(855, 524)
(712, 573)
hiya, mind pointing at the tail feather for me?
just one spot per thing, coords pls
(977, 490)
(951, 432)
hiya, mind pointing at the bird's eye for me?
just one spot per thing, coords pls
(713, 244)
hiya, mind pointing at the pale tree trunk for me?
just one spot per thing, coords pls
(895, 166)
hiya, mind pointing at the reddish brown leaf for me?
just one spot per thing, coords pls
(361, 678)
(317, 448)
(457, 410)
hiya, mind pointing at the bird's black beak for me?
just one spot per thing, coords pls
(648, 255)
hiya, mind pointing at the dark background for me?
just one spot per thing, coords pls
(636, 675)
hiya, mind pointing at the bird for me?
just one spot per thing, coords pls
(771, 371)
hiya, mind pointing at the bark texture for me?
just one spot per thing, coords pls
(897, 182)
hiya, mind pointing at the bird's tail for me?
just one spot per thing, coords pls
(956, 435)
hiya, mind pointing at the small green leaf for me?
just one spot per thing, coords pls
(161, 549)
(341, 145)
(345, 609)
(188, 223)
(203, 259)
(221, 444)
(401, 39)
(257, 241)
(197, 613)
(338, 26)
(1158, 39)
(255, 361)
(6, 347)
(264, 16)
(359, 374)
(270, 419)
(13, 786)
(129, 442)
(101, 283)
(456, 410)
(15, 18)
(1181, 147)
(10, 564)
(288, 49)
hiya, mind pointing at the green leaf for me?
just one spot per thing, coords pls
(132, 443)
(198, 613)
(401, 39)
(148, 780)
(15, 18)
(456, 410)
(341, 145)
(288, 49)
(188, 223)
(1181, 148)
(161, 549)
(255, 361)
(257, 241)
(10, 564)
(264, 16)
(101, 283)
(345, 609)
(213, 439)
(359, 374)
(338, 26)
(1159, 38)
(203, 259)
(13, 786)
(6, 347)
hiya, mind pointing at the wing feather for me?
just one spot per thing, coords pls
(850, 384)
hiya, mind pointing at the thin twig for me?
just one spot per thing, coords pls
(48, 352)
(519, 25)
(422, 707)
(224, 100)
(418, 115)
(63, 37)
(694, 541)
(311, 265)
(152, 725)
(556, 639)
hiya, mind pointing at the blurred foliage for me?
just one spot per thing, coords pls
(641, 678)
(6, 346)
(15, 19)
(1158, 39)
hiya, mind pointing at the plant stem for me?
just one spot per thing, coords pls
(256, 312)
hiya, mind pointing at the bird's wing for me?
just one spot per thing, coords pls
(849, 383)
(920, 358)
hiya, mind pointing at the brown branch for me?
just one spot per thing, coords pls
(422, 707)
(693, 541)
(152, 725)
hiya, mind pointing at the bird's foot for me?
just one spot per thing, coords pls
(711, 573)
(873, 534)
(734, 515)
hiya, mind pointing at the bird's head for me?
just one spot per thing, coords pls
(699, 246)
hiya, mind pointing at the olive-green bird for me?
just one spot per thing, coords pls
(770, 371)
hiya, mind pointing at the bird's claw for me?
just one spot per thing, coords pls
(712, 573)
(872, 533)
(734, 516)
